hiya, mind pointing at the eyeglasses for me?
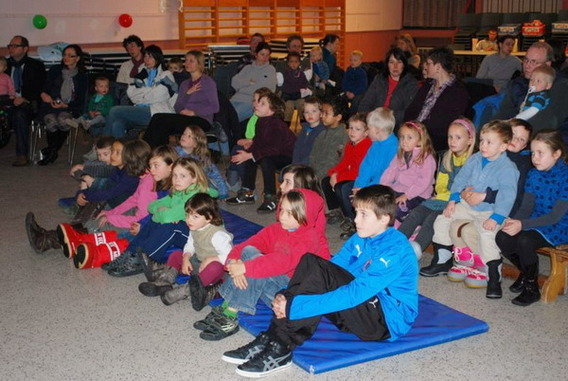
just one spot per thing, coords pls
(10, 46)
(531, 62)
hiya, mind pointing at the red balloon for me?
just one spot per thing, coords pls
(125, 20)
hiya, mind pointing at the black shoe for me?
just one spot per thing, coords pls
(243, 197)
(152, 289)
(437, 269)
(203, 324)
(131, 266)
(246, 352)
(49, 157)
(268, 206)
(530, 295)
(519, 285)
(116, 262)
(494, 279)
(197, 293)
(220, 328)
(274, 358)
(334, 216)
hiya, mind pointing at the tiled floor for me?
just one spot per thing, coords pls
(59, 323)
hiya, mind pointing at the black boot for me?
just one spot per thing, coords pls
(49, 153)
(519, 284)
(438, 266)
(494, 279)
(530, 293)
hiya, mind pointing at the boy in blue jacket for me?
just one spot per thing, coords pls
(369, 288)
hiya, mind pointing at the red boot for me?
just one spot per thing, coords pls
(90, 255)
(70, 238)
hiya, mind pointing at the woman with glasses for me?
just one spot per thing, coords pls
(64, 97)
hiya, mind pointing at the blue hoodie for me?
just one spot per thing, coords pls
(385, 266)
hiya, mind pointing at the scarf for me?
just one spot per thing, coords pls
(67, 87)
(136, 67)
(17, 72)
(432, 97)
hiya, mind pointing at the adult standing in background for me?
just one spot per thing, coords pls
(441, 100)
(28, 76)
(129, 69)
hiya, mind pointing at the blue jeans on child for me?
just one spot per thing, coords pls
(258, 288)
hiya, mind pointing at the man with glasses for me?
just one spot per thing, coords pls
(28, 76)
(539, 53)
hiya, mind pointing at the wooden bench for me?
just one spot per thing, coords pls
(556, 282)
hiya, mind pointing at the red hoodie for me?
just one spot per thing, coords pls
(283, 249)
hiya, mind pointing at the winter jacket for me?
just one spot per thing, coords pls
(140, 200)
(283, 249)
(160, 95)
(272, 137)
(414, 180)
(348, 168)
(384, 266)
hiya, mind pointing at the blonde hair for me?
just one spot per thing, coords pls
(382, 118)
(548, 72)
(357, 53)
(470, 128)
(201, 150)
(409, 41)
(500, 127)
(195, 170)
(426, 148)
(316, 49)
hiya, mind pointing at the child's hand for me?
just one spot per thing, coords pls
(88, 180)
(207, 261)
(333, 180)
(134, 228)
(236, 268)
(241, 157)
(240, 282)
(186, 267)
(75, 168)
(450, 209)
(512, 227)
(401, 200)
(102, 220)
(92, 114)
(279, 306)
(489, 224)
(82, 200)
(471, 197)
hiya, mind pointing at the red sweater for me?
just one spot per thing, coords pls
(283, 249)
(348, 168)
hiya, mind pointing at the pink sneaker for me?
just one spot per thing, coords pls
(477, 278)
(463, 264)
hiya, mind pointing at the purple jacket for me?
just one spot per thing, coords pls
(205, 102)
(273, 137)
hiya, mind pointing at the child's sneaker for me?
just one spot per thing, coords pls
(268, 206)
(243, 197)
(131, 265)
(246, 352)
(463, 264)
(334, 216)
(203, 324)
(274, 358)
(220, 327)
(86, 123)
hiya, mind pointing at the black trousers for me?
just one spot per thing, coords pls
(268, 166)
(521, 248)
(163, 125)
(315, 275)
(338, 196)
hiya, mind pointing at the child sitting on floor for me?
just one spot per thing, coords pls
(369, 288)
(263, 264)
(311, 128)
(411, 172)
(193, 143)
(329, 144)
(339, 184)
(203, 257)
(477, 259)
(164, 230)
(271, 149)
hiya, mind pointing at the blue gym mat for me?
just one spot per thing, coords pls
(331, 349)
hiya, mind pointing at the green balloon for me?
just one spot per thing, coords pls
(40, 21)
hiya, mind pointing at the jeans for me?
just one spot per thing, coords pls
(121, 118)
(243, 109)
(258, 288)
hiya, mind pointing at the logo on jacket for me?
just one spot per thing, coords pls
(385, 261)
